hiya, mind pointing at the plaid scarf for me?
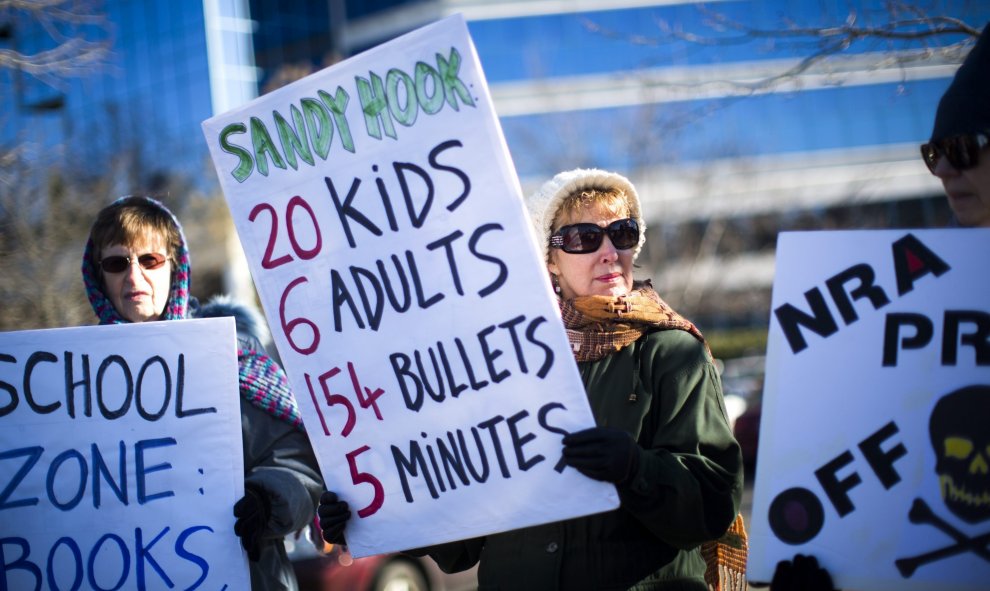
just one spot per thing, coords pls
(600, 325)
(725, 558)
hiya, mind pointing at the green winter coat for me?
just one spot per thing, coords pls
(687, 489)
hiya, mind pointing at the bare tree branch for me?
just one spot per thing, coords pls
(72, 38)
(888, 43)
(919, 35)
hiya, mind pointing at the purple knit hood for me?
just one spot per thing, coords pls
(177, 306)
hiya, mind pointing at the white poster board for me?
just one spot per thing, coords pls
(121, 457)
(386, 234)
(875, 432)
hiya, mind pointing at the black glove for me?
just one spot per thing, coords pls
(333, 514)
(252, 513)
(803, 574)
(602, 453)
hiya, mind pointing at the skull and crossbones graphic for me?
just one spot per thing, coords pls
(960, 437)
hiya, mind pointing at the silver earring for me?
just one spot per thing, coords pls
(556, 283)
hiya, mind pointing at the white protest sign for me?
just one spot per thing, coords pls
(385, 230)
(875, 432)
(121, 457)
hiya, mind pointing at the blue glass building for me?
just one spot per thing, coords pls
(723, 158)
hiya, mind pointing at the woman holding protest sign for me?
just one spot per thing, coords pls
(662, 437)
(136, 269)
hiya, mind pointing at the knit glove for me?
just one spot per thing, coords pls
(333, 514)
(803, 574)
(252, 513)
(602, 453)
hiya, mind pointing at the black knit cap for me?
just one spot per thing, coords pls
(965, 106)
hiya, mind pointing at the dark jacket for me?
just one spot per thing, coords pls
(687, 489)
(278, 459)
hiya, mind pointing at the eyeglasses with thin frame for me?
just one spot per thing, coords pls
(585, 237)
(117, 263)
(962, 151)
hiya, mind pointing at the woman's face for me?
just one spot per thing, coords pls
(607, 271)
(138, 294)
(968, 191)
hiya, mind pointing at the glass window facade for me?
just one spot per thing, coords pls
(148, 101)
(356, 10)
(290, 35)
(588, 88)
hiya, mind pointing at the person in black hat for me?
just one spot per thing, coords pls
(958, 152)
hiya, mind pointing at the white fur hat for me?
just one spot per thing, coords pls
(543, 204)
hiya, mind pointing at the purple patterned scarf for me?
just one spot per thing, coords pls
(265, 385)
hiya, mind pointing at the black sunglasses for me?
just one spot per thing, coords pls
(962, 151)
(117, 263)
(585, 238)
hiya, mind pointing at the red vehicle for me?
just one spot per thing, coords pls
(747, 433)
(336, 570)
(742, 378)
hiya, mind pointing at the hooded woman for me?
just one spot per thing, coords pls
(136, 269)
(662, 437)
